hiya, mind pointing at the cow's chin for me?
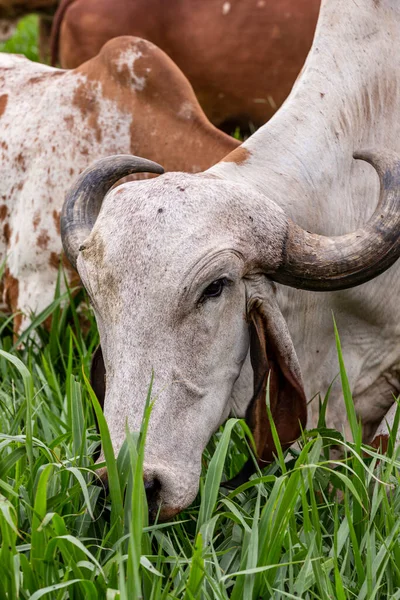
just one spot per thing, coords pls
(166, 513)
(167, 510)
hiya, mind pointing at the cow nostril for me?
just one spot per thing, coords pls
(152, 487)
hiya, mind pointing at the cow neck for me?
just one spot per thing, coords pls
(346, 99)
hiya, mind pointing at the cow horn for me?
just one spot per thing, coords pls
(318, 263)
(83, 201)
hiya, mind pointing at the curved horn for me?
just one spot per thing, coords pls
(83, 201)
(319, 263)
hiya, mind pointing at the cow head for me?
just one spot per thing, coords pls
(180, 273)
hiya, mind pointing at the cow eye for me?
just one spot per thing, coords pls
(214, 289)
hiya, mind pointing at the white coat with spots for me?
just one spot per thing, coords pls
(53, 123)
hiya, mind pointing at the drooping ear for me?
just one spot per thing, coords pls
(273, 356)
(98, 376)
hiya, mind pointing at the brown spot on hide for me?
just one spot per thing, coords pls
(37, 79)
(43, 239)
(3, 103)
(20, 160)
(47, 322)
(44, 76)
(7, 233)
(238, 156)
(54, 262)
(3, 212)
(85, 99)
(36, 220)
(11, 293)
(56, 219)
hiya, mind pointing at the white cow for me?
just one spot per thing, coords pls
(54, 123)
(180, 269)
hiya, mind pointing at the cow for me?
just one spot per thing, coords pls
(241, 58)
(54, 123)
(217, 283)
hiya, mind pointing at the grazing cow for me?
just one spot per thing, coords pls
(240, 57)
(181, 269)
(53, 123)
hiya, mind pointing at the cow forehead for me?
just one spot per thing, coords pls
(161, 230)
(183, 195)
(157, 235)
(174, 215)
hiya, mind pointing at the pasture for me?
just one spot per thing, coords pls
(305, 527)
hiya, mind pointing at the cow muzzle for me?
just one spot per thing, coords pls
(167, 492)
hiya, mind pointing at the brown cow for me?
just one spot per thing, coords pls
(131, 98)
(241, 56)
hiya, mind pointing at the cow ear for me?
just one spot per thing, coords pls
(273, 358)
(98, 376)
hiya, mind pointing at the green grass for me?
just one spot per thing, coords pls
(307, 528)
(25, 39)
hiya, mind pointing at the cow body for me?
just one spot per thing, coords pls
(131, 98)
(240, 57)
(190, 270)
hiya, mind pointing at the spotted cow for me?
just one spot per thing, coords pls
(131, 98)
